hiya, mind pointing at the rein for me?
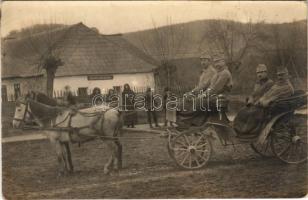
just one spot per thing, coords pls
(69, 116)
(24, 116)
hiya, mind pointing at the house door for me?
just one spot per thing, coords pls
(4, 93)
(83, 92)
(117, 89)
(16, 91)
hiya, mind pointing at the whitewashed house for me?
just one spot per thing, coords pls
(89, 60)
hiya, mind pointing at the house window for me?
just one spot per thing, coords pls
(4, 93)
(16, 90)
(83, 91)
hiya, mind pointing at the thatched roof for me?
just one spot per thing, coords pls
(82, 50)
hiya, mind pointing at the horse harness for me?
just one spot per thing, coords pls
(76, 130)
(71, 130)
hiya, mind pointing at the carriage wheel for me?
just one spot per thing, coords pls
(264, 149)
(289, 140)
(171, 137)
(190, 150)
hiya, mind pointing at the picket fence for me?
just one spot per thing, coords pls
(177, 89)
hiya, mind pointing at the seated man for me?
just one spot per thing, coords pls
(281, 89)
(220, 83)
(207, 73)
(262, 85)
(249, 120)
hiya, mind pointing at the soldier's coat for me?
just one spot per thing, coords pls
(205, 78)
(221, 82)
(281, 89)
(260, 88)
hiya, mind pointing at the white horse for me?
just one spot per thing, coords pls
(64, 125)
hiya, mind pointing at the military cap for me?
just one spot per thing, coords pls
(261, 68)
(219, 59)
(282, 70)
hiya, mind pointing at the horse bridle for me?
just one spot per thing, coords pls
(23, 119)
(26, 111)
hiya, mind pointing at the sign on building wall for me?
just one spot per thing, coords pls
(100, 77)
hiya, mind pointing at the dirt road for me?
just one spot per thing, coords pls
(29, 172)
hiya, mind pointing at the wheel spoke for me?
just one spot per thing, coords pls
(202, 145)
(197, 161)
(280, 145)
(284, 151)
(297, 155)
(290, 152)
(290, 139)
(205, 150)
(198, 140)
(179, 154)
(186, 139)
(285, 138)
(190, 150)
(177, 142)
(179, 149)
(185, 158)
(200, 156)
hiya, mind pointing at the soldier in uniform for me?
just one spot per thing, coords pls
(207, 73)
(281, 89)
(249, 120)
(222, 80)
(262, 85)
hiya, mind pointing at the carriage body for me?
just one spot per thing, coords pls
(278, 135)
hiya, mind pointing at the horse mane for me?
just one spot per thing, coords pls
(42, 111)
(43, 98)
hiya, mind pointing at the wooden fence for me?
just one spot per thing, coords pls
(177, 89)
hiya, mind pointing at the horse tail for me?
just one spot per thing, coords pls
(119, 125)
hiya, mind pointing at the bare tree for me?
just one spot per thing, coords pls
(48, 55)
(165, 44)
(231, 38)
(289, 47)
(40, 45)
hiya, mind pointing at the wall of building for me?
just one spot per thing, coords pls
(26, 84)
(138, 80)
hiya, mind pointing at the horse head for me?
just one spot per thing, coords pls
(22, 114)
(34, 107)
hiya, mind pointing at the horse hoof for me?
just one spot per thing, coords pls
(106, 171)
(60, 174)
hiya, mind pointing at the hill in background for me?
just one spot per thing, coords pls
(181, 44)
(274, 45)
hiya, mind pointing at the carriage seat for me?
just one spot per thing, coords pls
(297, 100)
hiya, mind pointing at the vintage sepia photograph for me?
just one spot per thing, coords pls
(153, 99)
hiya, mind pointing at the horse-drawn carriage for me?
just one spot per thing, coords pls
(282, 133)
(190, 149)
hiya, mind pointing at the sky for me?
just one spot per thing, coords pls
(120, 17)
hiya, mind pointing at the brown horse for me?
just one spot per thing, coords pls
(63, 125)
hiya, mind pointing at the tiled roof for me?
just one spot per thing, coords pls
(82, 50)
